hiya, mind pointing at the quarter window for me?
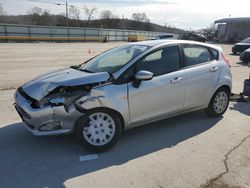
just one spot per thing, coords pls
(215, 53)
(195, 55)
(162, 61)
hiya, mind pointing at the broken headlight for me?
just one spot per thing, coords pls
(64, 96)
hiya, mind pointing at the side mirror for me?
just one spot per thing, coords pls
(140, 76)
(143, 75)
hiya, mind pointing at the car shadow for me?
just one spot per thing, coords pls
(31, 161)
(234, 54)
(241, 107)
(242, 63)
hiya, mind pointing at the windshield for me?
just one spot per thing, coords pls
(112, 60)
(247, 40)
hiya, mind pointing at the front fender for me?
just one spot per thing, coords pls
(107, 96)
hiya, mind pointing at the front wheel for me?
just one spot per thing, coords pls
(219, 103)
(98, 130)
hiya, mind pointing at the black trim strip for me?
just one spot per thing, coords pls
(21, 91)
(79, 108)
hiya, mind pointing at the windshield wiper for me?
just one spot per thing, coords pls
(111, 76)
(85, 70)
(78, 67)
(75, 67)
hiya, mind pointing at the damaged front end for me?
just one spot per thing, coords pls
(53, 110)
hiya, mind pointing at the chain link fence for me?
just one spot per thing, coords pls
(9, 32)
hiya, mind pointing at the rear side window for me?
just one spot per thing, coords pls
(195, 54)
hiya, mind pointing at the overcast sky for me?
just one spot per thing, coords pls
(186, 14)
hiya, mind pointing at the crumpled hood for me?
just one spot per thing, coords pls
(41, 86)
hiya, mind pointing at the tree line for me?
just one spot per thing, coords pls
(106, 19)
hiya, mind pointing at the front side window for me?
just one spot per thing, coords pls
(195, 54)
(112, 60)
(160, 62)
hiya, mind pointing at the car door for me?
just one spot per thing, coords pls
(203, 73)
(162, 95)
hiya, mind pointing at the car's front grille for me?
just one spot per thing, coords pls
(22, 112)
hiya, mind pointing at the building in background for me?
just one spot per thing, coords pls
(232, 29)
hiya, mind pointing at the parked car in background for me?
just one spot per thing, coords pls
(124, 87)
(245, 56)
(241, 46)
(193, 36)
(165, 36)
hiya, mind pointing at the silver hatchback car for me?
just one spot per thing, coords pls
(124, 87)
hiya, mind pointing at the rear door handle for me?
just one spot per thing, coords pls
(213, 69)
(175, 80)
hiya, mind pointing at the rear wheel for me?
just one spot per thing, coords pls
(219, 103)
(98, 130)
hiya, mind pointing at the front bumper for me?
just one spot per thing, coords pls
(234, 50)
(37, 119)
(46, 133)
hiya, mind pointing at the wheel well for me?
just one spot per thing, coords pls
(119, 115)
(226, 87)
(109, 109)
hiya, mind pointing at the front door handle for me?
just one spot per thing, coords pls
(213, 69)
(175, 80)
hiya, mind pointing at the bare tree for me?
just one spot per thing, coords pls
(90, 13)
(38, 16)
(140, 17)
(45, 18)
(107, 18)
(2, 11)
(35, 15)
(106, 15)
(75, 14)
(35, 11)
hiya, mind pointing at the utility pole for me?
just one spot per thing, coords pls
(67, 15)
(58, 4)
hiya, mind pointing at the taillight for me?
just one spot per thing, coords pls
(226, 60)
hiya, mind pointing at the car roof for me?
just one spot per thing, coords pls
(155, 43)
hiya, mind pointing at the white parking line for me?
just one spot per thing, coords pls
(88, 157)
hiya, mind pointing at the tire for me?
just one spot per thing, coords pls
(98, 130)
(219, 103)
